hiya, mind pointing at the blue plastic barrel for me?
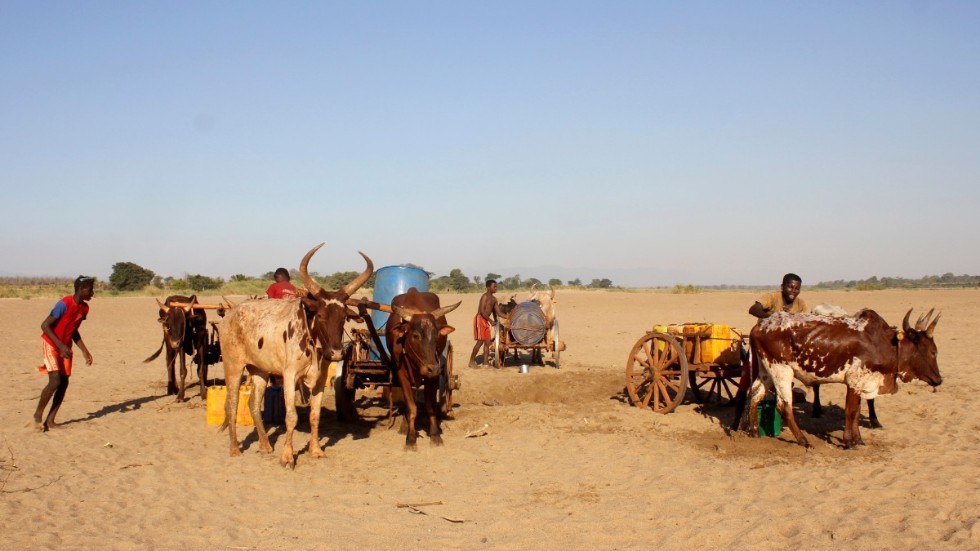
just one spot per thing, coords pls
(391, 281)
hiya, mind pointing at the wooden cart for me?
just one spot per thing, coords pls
(366, 364)
(709, 359)
(525, 329)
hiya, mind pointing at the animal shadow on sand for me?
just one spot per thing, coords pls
(122, 407)
(372, 412)
(829, 427)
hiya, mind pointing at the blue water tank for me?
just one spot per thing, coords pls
(391, 281)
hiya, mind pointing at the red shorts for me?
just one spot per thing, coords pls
(53, 360)
(481, 328)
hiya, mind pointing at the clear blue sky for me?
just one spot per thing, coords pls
(652, 143)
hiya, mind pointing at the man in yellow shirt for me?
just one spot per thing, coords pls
(787, 299)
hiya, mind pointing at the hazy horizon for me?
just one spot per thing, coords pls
(653, 144)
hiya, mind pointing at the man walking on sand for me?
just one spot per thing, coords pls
(481, 323)
(59, 331)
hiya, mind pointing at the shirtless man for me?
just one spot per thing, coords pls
(481, 323)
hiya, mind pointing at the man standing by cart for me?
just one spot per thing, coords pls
(481, 323)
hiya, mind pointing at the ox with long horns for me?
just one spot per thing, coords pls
(863, 352)
(289, 338)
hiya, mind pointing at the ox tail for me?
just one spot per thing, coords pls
(155, 354)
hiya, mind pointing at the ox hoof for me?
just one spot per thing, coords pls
(436, 440)
(288, 461)
(265, 449)
(411, 446)
(317, 453)
(875, 424)
(235, 452)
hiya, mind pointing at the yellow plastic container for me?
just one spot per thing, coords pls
(218, 395)
(719, 343)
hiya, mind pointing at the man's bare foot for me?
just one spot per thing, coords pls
(51, 425)
(38, 425)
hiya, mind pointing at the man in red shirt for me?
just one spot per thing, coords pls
(59, 331)
(282, 288)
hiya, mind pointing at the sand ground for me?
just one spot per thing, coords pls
(564, 461)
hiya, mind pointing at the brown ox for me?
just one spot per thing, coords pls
(863, 352)
(185, 333)
(547, 302)
(289, 338)
(416, 334)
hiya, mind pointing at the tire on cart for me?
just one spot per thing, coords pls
(448, 382)
(656, 373)
(343, 395)
(556, 343)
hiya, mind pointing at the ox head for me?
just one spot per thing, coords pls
(329, 308)
(547, 302)
(917, 350)
(423, 336)
(181, 323)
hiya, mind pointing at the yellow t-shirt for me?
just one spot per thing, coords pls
(773, 302)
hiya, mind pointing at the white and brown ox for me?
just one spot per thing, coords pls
(290, 338)
(416, 334)
(185, 333)
(863, 352)
(816, 410)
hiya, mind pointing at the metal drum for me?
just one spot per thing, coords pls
(527, 323)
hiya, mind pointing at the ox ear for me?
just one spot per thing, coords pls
(353, 315)
(446, 329)
(309, 303)
(398, 331)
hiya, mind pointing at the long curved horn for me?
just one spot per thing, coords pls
(920, 324)
(353, 286)
(439, 312)
(932, 326)
(402, 313)
(308, 282)
(230, 303)
(905, 322)
(190, 306)
(163, 307)
(552, 287)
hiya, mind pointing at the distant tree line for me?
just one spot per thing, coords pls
(874, 283)
(128, 276)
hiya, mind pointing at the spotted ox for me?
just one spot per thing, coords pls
(185, 333)
(415, 334)
(288, 338)
(863, 352)
(832, 310)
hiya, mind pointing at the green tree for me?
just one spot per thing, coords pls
(127, 276)
(458, 281)
(554, 282)
(600, 283)
(493, 276)
(199, 282)
(575, 282)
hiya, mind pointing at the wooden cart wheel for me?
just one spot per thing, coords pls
(344, 396)
(497, 359)
(717, 385)
(557, 344)
(656, 373)
(448, 382)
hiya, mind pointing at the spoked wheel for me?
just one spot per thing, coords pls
(344, 396)
(448, 382)
(717, 385)
(656, 373)
(556, 342)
